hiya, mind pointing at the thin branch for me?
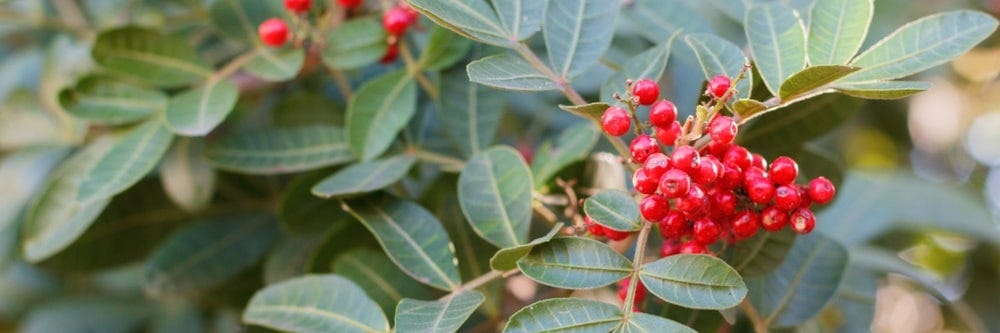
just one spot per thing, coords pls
(234, 65)
(640, 252)
(482, 280)
(414, 68)
(759, 324)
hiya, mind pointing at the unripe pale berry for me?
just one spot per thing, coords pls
(646, 91)
(273, 32)
(616, 121)
(663, 114)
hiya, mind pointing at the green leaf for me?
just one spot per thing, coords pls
(307, 108)
(150, 56)
(565, 315)
(355, 44)
(293, 255)
(647, 65)
(364, 177)
(505, 71)
(592, 111)
(293, 306)
(473, 19)
(786, 130)
(521, 18)
(470, 114)
(573, 145)
(657, 20)
(207, 254)
(379, 277)
(506, 258)
(239, 19)
(105, 100)
(777, 41)
(301, 212)
(55, 217)
(577, 32)
(641, 323)
(812, 78)
(23, 173)
(443, 50)
(922, 44)
(446, 315)
(281, 150)
(378, 111)
(719, 56)
(837, 29)
(747, 108)
(869, 204)
(412, 237)
(198, 111)
(186, 175)
(495, 193)
(762, 253)
(694, 281)
(129, 160)
(614, 209)
(574, 263)
(882, 90)
(276, 65)
(90, 314)
(804, 282)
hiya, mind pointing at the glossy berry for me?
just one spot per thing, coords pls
(821, 190)
(656, 165)
(298, 6)
(759, 161)
(643, 146)
(739, 156)
(709, 170)
(784, 170)
(616, 121)
(646, 91)
(802, 221)
(722, 129)
(760, 190)
(745, 224)
(732, 177)
(694, 202)
(787, 197)
(668, 135)
(706, 231)
(397, 20)
(662, 113)
(675, 184)
(719, 85)
(592, 227)
(391, 54)
(615, 235)
(349, 4)
(654, 208)
(773, 219)
(718, 149)
(669, 248)
(686, 159)
(273, 32)
(693, 247)
(643, 183)
(724, 202)
(674, 226)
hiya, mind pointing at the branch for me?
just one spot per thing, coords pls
(234, 65)
(481, 280)
(414, 69)
(759, 324)
(640, 252)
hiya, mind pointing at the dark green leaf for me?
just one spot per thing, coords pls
(108, 101)
(364, 177)
(379, 277)
(574, 263)
(276, 65)
(777, 41)
(521, 18)
(505, 71)
(762, 253)
(412, 237)
(565, 315)
(573, 145)
(837, 28)
(473, 19)
(293, 255)
(882, 90)
(281, 150)
(198, 111)
(150, 56)
(694, 281)
(506, 259)
(239, 19)
(444, 49)
(301, 212)
(786, 129)
(719, 56)
(812, 78)
(445, 315)
(747, 108)
(495, 193)
(186, 175)
(614, 209)
(642, 323)
(209, 253)
(804, 282)
(592, 111)
(79, 315)
(657, 20)
(129, 160)
(470, 114)
(577, 32)
(647, 65)
(293, 306)
(355, 44)
(378, 111)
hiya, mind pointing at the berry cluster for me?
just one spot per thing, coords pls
(396, 21)
(274, 32)
(720, 192)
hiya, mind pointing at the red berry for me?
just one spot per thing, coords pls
(391, 54)
(686, 159)
(675, 184)
(745, 224)
(674, 226)
(787, 197)
(784, 170)
(693, 247)
(719, 85)
(708, 171)
(694, 203)
(722, 129)
(806, 202)
(802, 221)
(643, 183)
(654, 208)
(724, 202)
(739, 156)
(592, 227)
(732, 177)
(616, 121)
(396, 21)
(656, 165)
(759, 190)
(821, 190)
(349, 3)
(669, 248)
(754, 173)
(706, 231)
(773, 219)
(615, 234)
(759, 161)
(640, 291)
(646, 90)
(663, 114)
(298, 6)
(718, 149)
(643, 146)
(668, 135)
(273, 32)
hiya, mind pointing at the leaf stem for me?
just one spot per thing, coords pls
(447, 163)
(640, 252)
(759, 324)
(415, 70)
(234, 65)
(482, 280)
